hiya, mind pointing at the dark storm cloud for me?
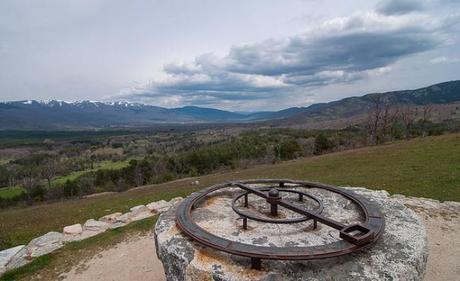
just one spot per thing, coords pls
(359, 51)
(399, 7)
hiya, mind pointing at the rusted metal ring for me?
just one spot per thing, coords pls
(280, 221)
(373, 220)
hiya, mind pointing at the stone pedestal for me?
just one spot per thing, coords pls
(401, 253)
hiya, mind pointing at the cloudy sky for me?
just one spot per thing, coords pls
(236, 55)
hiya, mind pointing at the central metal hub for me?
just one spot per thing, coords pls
(274, 194)
(273, 199)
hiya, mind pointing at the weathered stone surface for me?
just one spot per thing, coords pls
(95, 226)
(428, 204)
(21, 257)
(121, 220)
(401, 254)
(158, 206)
(175, 200)
(110, 218)
(7, 255)
(125, 218)
(45, 244)
(139, 209)
(140, 212)
(141, 216)
(73, 229)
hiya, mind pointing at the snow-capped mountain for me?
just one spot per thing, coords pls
(55, 114)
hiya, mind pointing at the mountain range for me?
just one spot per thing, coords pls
(54, 114)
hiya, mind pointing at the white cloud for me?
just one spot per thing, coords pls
(443, 60)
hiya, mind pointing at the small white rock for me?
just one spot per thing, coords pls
(125, 218)
(73, 229)
(94, 225)
(158, 206)
(139, 209)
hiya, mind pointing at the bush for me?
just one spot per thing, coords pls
(287, 149)
(322, 144)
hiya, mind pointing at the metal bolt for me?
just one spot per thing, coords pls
(273, 198)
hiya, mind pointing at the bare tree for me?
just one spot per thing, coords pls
(138, 175)
(426, 116)
(408, 116)
(388, 120)
(29, 181)
(49, 171)
(13, 170)
(373, 118)
(381, 117)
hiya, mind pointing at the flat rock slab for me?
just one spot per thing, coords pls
(401, 253)
(45, 244)
(7, 255)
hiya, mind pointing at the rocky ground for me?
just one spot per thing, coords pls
(135, 259)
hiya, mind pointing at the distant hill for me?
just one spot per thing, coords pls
(86, 114)
(351, 110)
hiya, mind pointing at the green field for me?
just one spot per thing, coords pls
(425, 167)
(4, 160)
(10, 192)
(109, 165)
(11, 138)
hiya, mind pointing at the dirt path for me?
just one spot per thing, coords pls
(135, 258)
(443, 244)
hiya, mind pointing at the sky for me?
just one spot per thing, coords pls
(235, 55)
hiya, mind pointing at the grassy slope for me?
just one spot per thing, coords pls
(428, 167)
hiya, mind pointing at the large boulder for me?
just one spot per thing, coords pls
(12, 258)
(401, 254)
(45, 244)
(21, 257)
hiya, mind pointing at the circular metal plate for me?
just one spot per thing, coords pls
(373, 220)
